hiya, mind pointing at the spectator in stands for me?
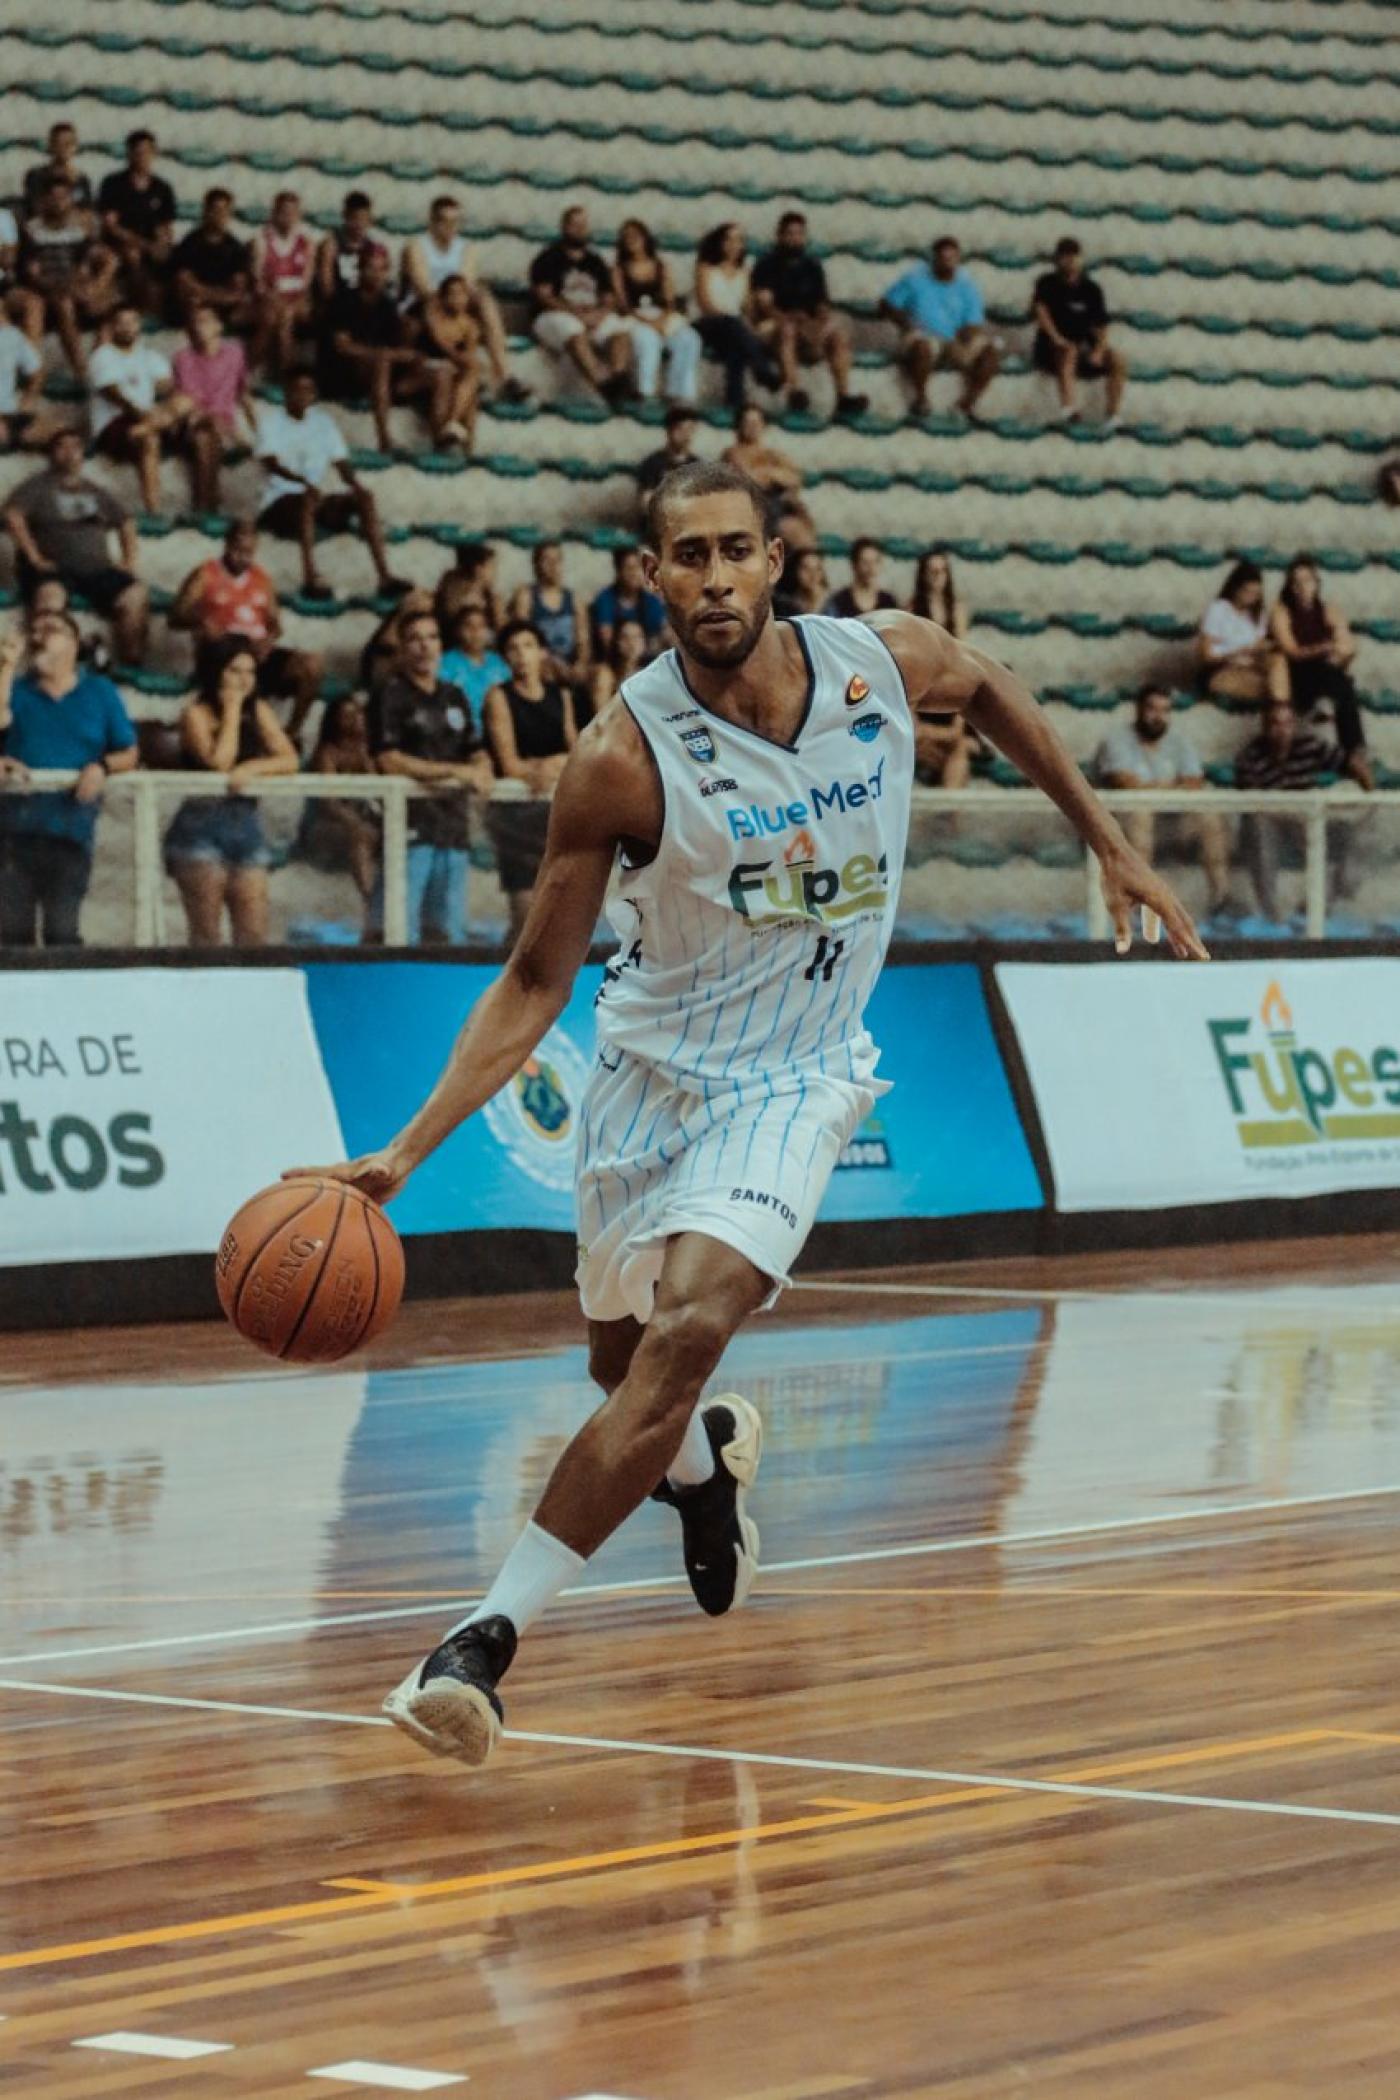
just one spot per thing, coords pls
(470, 581)
(366, 351)
(1286, 755)
(473, 663)
(779, 477)
(71, 275)
(549, 606)
(1237, 660)
(336, 835)
(942, 320)
(21, 383)
(211, 374)
(936, 595)
(345, 247)
(51, 595)
(804, 587)
(212, 266)
(678, 450)
(134, 408)
(451, 342)
(232, 594)
(60, 522)
(630, 650)
(530, 729)
(383, 652)
(944, 748)
(724, 307)
(299, 444)
(444, 251)
(56, 716)
(62, 160)
(17, 302)
(864, 593)
(136, 208)
(789, 290)
(1071, 338)
(283, 260)
(1317, 646)
(216, 849)
(645, 296)
(627, 598)
(1152, 752)
(422, 727)
(576, 310)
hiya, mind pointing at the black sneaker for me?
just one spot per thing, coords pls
(449, 1703)
(719, 1540)
(515, 391)
(799, 401)
(849, 405)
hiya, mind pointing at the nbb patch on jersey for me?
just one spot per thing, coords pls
(751, 943)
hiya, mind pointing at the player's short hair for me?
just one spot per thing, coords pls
(218, 195)
(947, 240)
(792, 218)
(139, 138)
(1150, 689)
(442, 203)
(859, 546)
(356, 200)
(1068, 246)
(702, 477)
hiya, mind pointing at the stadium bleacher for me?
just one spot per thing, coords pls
(1227, 171)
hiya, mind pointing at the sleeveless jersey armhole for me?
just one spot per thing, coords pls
(630, 865)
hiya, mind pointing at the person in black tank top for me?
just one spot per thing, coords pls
(530, 728)
(1317, 645)
(215, 848)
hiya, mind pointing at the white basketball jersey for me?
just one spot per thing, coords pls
(751, 943)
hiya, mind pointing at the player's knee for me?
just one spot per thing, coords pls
(689, 1338)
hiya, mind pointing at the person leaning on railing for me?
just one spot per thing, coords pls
(531, 730)
(1285, 754)
(216, 848)
(63, 717)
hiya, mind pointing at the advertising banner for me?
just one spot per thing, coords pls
(138, 1108)
(947, 1142)
(1160, 1086)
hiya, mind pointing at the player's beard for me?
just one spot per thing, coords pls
(738, 643)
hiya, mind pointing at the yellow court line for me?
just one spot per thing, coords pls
(372, 1895)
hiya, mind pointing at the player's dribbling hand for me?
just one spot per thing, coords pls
(1128, 880)
(379, 1175)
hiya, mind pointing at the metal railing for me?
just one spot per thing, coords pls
(1312, 807)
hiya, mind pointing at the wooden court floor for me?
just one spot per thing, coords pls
(1057, 1753)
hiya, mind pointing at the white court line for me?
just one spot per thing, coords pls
(397, 2078)
(956, 1290)
(166, 2045)
(974, 1543)
(625, 1746)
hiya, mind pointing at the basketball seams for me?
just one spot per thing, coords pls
(367, 1218)
(315, 1284)
(269, 1236)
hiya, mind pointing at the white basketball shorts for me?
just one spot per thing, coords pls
(747, 1165)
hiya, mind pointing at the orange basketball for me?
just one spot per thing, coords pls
(309, 1270)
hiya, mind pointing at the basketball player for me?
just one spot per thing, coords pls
(751, 790)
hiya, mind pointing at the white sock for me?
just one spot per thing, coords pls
(694, 1463)
(537, 1567)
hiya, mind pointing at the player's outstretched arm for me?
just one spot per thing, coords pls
(942, 675)
(597, 788)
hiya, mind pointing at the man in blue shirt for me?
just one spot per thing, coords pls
(627, 598)
(943, 327)
(60, 716)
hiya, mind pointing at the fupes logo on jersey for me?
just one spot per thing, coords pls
(766, 892)
(700, 744)
(857, 691)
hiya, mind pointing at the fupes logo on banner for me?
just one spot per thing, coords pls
(1287, 1090)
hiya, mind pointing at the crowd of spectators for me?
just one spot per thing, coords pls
(459, 689)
